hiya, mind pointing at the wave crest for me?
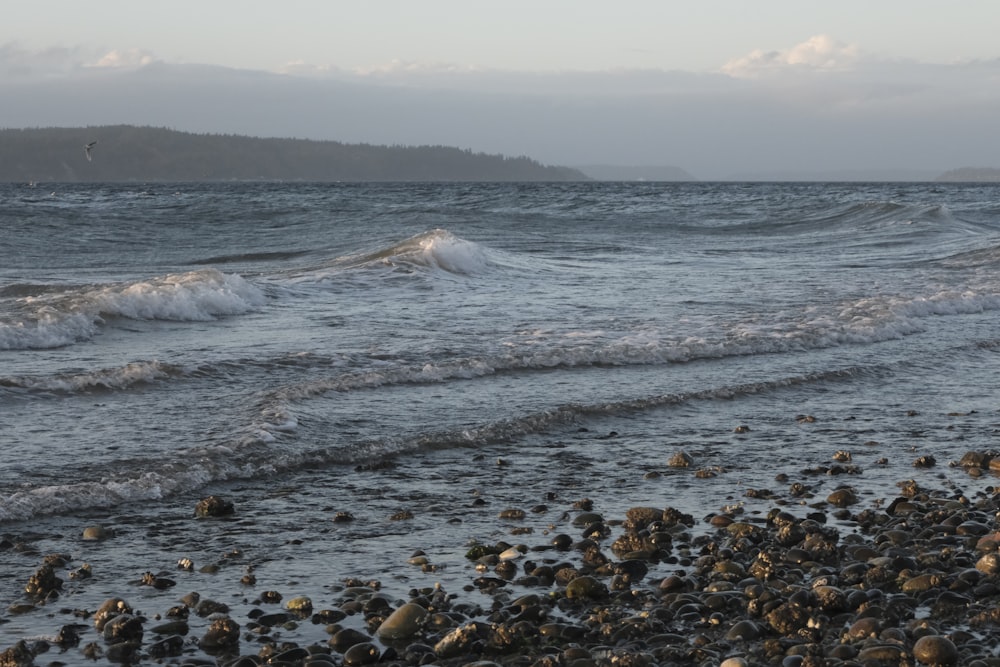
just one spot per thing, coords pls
(62, 317)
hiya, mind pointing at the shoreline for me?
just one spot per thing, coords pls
(832, 582)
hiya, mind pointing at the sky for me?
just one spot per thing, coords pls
(714, 86)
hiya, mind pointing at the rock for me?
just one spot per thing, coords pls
(403, 623)
(346, 638)
(734, 662)
(171, 628)
(586, 587)
(206, 608)
(171, 646)
(830, 599)
(111, 608)
(744, 630)
(362, 654)
(17, 655)
(96, 533)
(935, 650)
(976, 460)
(301, 605)
(989, 563)
(43, 583)
(123, 628)
(222, 635)
(863, 628)
(787, 619)
(842, 497)
(680, 459)
(880, 654)
(213, 506)
(123, 652)
(461, 640)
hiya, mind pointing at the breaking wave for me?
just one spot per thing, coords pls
(60, 317)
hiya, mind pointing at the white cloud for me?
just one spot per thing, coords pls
(125, 59)
(818, 53)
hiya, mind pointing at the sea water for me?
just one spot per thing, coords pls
(313, 352)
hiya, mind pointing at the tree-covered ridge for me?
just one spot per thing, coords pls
(128, 153)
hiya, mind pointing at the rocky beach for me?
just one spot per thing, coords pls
(808, 571)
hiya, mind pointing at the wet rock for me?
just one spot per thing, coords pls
(167, 647)
(206, 608)
(881, 654)
(123, 652)
(111, 608)
(842, 497)
(935, 650)
(680, 459)
(43, 583)
(734, 662)
(301, 605)
(744, 630)
(123, 628)
(403, 623)
(787, 619)
(989, 563)
(213, 506)
(586, 587)
(17, 655)
(465, 639)
(223, 635)
(95, 533)
(346, 638)
(171, 628)
(362, 654)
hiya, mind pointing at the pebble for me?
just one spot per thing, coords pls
(403, 623)
(935, 650)
(911, 579)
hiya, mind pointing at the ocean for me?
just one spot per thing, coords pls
(369, 370)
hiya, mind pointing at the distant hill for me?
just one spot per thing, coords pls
(125, 153)
(605, 172)
(971, 175)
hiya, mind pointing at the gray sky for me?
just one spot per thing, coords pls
(716, 87)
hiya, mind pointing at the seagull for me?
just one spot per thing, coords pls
(87, 148)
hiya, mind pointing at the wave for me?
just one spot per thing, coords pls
(864, 321)
(436, 251)
(107, 379)
(61, 317)
(250, 455)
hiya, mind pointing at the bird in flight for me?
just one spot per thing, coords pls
(86, 149)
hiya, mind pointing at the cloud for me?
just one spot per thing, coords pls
(818, 53)
(19, 62)
(125, 59)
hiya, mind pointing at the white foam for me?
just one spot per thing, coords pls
(61, 318)
(108, 378)
(441, 249)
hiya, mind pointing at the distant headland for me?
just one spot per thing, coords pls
(127, 153)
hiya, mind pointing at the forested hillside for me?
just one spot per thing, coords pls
(129, 153)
